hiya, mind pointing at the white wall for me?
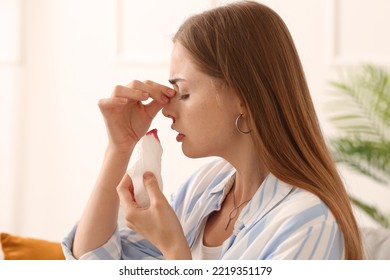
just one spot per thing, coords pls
(58, 57)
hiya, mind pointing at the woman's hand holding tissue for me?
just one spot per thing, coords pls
(127, 119)
(157, 223)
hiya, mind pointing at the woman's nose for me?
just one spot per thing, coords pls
(168, 111)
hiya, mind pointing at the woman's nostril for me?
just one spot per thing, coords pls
(173, 118)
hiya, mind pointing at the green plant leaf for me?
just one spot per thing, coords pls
(372, 211)
(367, 157)
(360, 112)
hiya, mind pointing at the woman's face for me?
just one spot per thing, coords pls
(203, 111)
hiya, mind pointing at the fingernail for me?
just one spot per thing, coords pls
(123, 100)
(171, 91)
(148, 175)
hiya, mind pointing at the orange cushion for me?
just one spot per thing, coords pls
(21, 248)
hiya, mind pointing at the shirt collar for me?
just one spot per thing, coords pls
(270, 194)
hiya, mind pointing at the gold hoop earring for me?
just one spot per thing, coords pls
(238, 127)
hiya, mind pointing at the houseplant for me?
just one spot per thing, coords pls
(360, 113)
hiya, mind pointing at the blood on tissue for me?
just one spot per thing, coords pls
(154, 133)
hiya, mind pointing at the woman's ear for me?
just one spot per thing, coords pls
(243, 109)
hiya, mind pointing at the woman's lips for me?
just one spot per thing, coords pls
(180, 137)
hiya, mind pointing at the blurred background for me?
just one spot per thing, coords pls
(59, 57)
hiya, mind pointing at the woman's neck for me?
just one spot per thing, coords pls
(251, 171)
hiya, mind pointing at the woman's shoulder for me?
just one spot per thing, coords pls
(306, 208)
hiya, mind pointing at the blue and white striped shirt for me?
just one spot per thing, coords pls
(280, 222)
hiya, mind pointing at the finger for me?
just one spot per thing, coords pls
(160, 92)
(156, 91)
(151, 185)
(125, 191)
(170, 92)
(109, 103)
(153, 108)
(130, 93)
(147, 89)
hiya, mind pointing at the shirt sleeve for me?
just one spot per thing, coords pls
(128, 245)
(109, 251)
(322, 241)
(123, 244)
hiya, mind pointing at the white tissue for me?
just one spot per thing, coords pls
(146, 156)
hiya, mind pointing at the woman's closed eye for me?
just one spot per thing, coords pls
(184, 96)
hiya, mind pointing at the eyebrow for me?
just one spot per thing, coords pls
(176, 80)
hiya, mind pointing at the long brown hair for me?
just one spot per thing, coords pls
(248, 46)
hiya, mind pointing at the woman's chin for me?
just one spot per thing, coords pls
(193, 153)
(190, 154)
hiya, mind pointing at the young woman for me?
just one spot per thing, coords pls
(239, 94)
